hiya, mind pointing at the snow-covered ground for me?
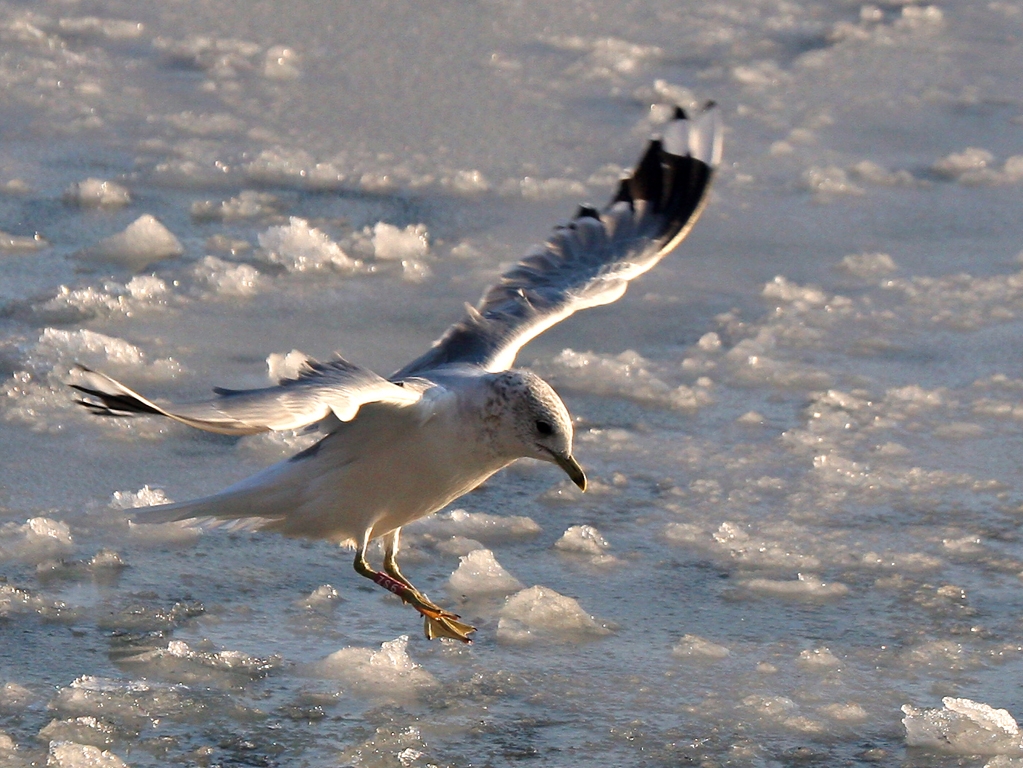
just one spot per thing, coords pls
(803, 430)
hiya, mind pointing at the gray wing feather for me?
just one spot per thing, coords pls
(335, 389)
(590, 260)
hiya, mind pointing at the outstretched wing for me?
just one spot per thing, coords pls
(590, 260)
(334, 389)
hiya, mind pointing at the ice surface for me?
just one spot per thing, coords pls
(479, 573)
(823, 380)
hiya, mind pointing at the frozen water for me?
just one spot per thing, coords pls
(145, 241)
(388, 674)
(539, 614)
(802, 430)
(97, 193)
(479, 573)
(963, 727)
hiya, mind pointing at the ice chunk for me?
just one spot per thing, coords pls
(281, 366)
(479, 573)
(586, 541)
(393, 244)
(81, 730)
(224, 278)
(144, 242)
(8, 752)
(128, 702)
(388, 673)
(144, 497)
(299, 247)
(760, 74)
(9, 242)
(97, 193)
(967, 165)
(867, 265)
(293, 167)
(38, 539)
(818, 659)
(874, 173)
(582, 539)
(466, 182)
(249, 204)
(103, 567)
(540, 613)
(804, 586)
(111, 297)
(458, 545)
(323, 599)
(828, 182)
(15, 698)
(14, 601)
(845, 713)
(281, 63)
(93, 26)
(963, 727)
(390, 746)
(183, 664)
(490, 529)
(221, 58)
(68, 754)
(544, 189)
(696, 647)
(781, 710)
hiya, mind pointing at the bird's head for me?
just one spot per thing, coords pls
(535, 423)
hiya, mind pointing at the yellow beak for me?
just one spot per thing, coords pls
(573, 470)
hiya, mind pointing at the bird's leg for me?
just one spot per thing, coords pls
(438, 622)
(391, 562)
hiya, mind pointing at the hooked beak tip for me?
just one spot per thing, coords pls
(573, 470)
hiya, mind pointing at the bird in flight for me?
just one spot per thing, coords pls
(399, 448)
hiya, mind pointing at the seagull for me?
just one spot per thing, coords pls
(400, 448)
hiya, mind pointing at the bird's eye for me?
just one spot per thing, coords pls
(544, 428)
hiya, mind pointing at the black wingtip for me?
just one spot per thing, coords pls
(587, 212)
(680, 114)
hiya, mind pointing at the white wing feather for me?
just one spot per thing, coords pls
(332, 390)
(590, 260)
